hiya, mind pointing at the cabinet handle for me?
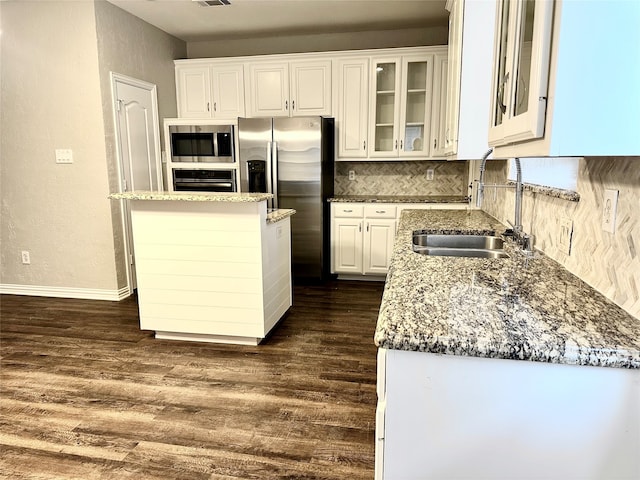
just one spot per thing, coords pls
(435, 142)
(208, 109)
(396, 147)
(293, 105)
(381, 211)
(347, 211)
(364, 145)
(359, 227)
(500, 94)
(400, 144)
(286, 104)
(215, 107)
(367, 226)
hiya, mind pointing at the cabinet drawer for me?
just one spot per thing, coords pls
(348, 210)
(380, 211)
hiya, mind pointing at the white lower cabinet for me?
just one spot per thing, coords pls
(347, 245)
(363, 234)
(362, 238)
(452, 417)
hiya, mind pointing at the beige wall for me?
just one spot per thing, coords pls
(608, 262)
(132, 47)
(409, 37)
(56, 57)
(51, 99)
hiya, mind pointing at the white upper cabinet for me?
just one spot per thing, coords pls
(310, 88)
(439, 107)
(289, 89)
(268, 90)
(353, 107)
(401, 99)
(228, 91)
(580, 60)
(471, 39)
(204, 90)
(521, 69)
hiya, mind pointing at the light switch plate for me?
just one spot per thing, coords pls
(430, 174)
(609, 210)
(64, 155)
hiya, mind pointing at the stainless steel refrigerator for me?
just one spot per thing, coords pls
(293, 158)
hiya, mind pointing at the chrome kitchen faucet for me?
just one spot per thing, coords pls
(523, 239)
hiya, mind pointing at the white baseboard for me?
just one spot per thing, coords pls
(65, 292)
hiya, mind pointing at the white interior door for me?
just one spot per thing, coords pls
(138, 146)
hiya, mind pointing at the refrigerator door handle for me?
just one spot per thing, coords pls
(268, 172)
(274, 173)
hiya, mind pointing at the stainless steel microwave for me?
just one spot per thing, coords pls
(202, 143)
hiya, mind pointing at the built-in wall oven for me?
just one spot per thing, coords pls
(204, 180)
(201, 156)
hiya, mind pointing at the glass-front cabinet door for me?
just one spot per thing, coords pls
(386, 106)
(520, 70)
(401, 97)
(415, 111)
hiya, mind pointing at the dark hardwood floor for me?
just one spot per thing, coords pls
(85, 394)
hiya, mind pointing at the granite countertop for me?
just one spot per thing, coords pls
(193, 196)
(514, 308)
(400, 198)
(275, 215)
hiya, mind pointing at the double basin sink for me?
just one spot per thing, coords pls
(480, 246)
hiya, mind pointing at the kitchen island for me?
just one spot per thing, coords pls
(210, 267)
(509, 368)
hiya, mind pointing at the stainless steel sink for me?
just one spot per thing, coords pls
(481, 246)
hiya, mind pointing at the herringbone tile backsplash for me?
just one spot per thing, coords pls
(608, 262)
(401, 178)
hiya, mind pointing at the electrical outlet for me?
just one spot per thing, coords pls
(64, 155)
(609, 210)
(566, 235)
(26, 258)
(430, 174)
(352, 175)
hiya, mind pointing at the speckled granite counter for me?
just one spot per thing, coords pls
(399, 199)
(193, 196)
(274, 216)
(514, 308)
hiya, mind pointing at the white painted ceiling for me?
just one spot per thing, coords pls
(190, 22)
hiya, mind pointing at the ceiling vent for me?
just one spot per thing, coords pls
(212, 3)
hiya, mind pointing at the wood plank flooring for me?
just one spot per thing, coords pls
(85, 394)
